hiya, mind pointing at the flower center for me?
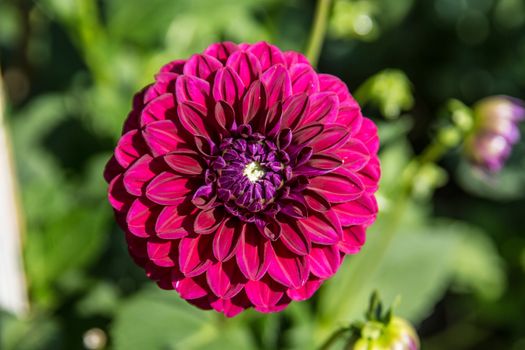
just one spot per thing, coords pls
(253, 171)
(249, 173)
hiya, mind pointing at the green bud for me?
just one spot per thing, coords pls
(397, 334)
(389, 90)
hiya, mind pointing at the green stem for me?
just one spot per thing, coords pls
(431, 154)
(366, 265)
(333, 338)
(318, 32)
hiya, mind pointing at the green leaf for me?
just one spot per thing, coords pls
(63, 245)
(508, 184)
(102, 300)
(417, 266)
(28, 334)
(157, 319)
(66, 225)
(191, 18)
(478, 266)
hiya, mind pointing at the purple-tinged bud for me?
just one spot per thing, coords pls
(500, 115)
(496, 130)
(397, 334)
(488, 151)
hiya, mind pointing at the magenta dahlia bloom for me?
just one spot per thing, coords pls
(243, 177)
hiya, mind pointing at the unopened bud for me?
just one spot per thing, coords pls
(495, 131)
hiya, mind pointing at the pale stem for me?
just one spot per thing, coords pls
(317, 35)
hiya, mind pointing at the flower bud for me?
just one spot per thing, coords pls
(501, 115)
(495, 131)
(397, 334)
(382, 330)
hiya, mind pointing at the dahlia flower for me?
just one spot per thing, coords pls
(496, 131)
(242, 177)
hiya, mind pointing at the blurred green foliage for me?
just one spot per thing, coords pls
(453, 249)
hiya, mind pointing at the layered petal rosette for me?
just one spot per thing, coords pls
(242, 177)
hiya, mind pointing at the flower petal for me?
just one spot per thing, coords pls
(294, 239)
(224, 279)
(118, 197)
(194, 254)
(208, 220)
(141, 218)
(358, 212)
(137, 249)
(339, 186)
(204, 197)
(277, 83)
(112, 169)
(222, 50)
(138, 174)
(306, 134)
(225, 240)
(167, 189)
(368, 134)
(295, 108)
(349, 114)
(292, 58)
(164, 83)
(246, 65)
(328, 82)
(160, 108)
(252, 253)
(267, 54)
(324, 261)
(205, 146)
(201, 66)
(306, 291)
(193, 89)
(287, 268)
(130, 147)
(254, 102)
(353, 239)
(175, 66)
(228, 86)
(191, 116)
(191, 288)
(265, 293)
(355, 154)
(322, 228)
(318, 164)
(316, 201)
(271, 124)
(294, 207)
(269, 228)
(159, 251)
(184, 162)
(171, 223)
(324, 107)
(161, 137)
(231, 307)
(370, 175)
(333, 137)
(304, 79)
